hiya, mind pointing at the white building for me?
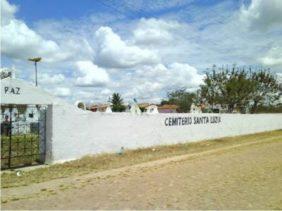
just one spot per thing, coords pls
(152, 109)
(108, 109)
(134, 109)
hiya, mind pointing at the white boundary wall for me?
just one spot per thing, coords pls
(73, 133)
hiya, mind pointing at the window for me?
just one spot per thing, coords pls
(30, 115)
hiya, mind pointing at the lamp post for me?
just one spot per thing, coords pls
(35, 60)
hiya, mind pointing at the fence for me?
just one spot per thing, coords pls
(22, 135)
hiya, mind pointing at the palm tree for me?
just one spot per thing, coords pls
(117, 103)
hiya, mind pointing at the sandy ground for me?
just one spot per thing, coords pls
(246, 176)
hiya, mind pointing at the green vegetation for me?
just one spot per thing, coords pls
(90, 164)
(238, 88)
(80, 105)
(5, 73)
(181, 98)
(117, 103)
(269, 109)
(24, 150)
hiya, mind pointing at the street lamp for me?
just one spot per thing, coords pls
(35, 60)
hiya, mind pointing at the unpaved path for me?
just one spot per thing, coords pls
(246, 176)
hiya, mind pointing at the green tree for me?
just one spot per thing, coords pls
(210, 89)
(117, 103)
(181, 98)
(267, 89)
(81, 105)
(5, 73)
(238, 87)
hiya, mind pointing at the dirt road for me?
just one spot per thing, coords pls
(248, 176)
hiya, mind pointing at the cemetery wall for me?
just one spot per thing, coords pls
(76, 133)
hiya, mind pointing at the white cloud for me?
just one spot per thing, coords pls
(114, 52)
(51, 79)
(154, 31)
(272, 61)
(7, 12)
(21, 42)
(173, 41)
(262, 14)
(62, 92)
(92, 75)
(84, 95)
(273, 57)
(72, 40)
(149, 82)
(184, 75)
(106, 91)
(173, 76)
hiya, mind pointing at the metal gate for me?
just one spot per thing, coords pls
(23, 129)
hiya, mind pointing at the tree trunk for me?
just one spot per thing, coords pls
(230, 108)
(254, 107)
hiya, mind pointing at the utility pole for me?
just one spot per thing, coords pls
(35, 60)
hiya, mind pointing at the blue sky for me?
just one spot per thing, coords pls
(34, 10)
(140, 48)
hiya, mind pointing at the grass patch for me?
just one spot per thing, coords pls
(102, 162)
(15, 199)
(24, 150)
